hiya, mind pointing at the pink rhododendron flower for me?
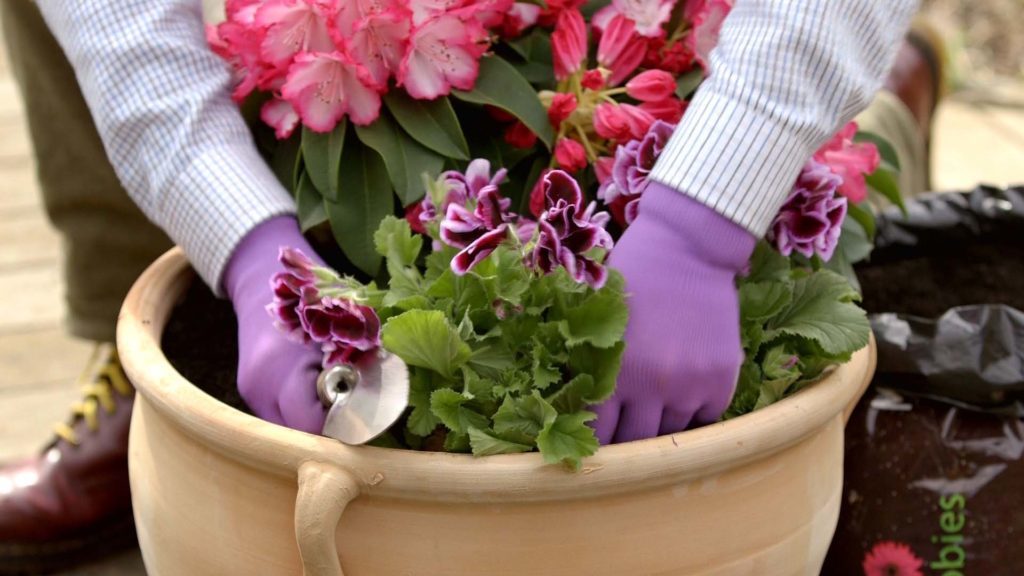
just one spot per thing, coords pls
(570, 154)
(892, 559)
(647, 15)
(629, 175)
(294, 26)
(567, 235)
(569, 43)
(621, 49)
(706, 17)
(651, 86)
(238, 40)
(379, 42)
(519, 18)
(423, 10)
(323, 87)
(443, 52)
(281, 116)
(350, 12)
(811, 219)
(850, 160)
(553, 9)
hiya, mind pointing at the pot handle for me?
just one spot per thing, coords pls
(324, 492)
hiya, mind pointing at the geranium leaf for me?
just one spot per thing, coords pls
(545, 373)
(523, 416)
(395, 241)
(432, 123)
(406, 160)
(762, 300)
(599, 320)
(450, 407)
(322, 154)
(823, 310)
(499, 84)
(767, 264)
(884, 182)
(568, 439)
(364, 199)
(573, 396)
(484, 443)
(427, 339)
(861, 216)
(602, 364)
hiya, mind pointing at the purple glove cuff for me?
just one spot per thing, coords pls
(708, 235)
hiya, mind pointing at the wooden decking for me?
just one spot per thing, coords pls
(979, 138)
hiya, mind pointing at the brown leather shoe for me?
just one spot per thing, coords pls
(71, 503)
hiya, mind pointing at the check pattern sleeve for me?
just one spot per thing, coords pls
(160, 101)
(785, 76)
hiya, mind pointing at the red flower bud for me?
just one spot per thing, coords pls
(570, 155)
(520, 136)
(562, 106)
(593, 80)
(670, 109)
(651, 86)
(569, 43)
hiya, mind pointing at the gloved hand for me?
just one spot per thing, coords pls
(276, 376)
(683, 354)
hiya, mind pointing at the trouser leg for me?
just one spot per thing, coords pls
(107, 241)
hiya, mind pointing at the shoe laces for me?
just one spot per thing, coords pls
(99, 382)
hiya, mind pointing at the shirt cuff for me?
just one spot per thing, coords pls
(237, 192)
(738, 159)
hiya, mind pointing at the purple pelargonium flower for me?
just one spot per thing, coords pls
(629, 177)
(339, 324)
(566, 234)
(812, 217)
(479, 232)
(287, 288)
(460, 188)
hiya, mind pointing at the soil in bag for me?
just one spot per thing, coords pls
(934, 467)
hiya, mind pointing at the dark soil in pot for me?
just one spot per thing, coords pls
(201, 342)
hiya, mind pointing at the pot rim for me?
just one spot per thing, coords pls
(394, 473)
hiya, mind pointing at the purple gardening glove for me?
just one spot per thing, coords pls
(683, 354)
(276, 376)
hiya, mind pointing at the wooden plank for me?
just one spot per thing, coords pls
(19, 188)
(27, 417)
(33, 298)
(31, 359)
(26, 238)
(968, 150)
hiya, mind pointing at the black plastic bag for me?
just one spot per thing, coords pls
(934, 471)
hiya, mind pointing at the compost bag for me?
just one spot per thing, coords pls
(934, 470)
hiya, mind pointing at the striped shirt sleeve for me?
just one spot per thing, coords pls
(160, 101)
(785, 76)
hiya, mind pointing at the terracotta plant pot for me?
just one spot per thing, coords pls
(220, 492)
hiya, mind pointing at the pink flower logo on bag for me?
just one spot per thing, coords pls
(889, 558)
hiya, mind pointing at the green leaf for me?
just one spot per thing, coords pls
(687, 83)
(568, 439)
(600, 320)
(545, 372)
(492, 359)
(421, 420)
(573, 397)
(762, 300)
(450, 407)
(766, 264)
(885, 149)
(840, 264)
(427, 339)
(823, 310)
(499, 84)
(456, 442)
(286, 163)
(309, 204)
(861, 216)
(322, 154)
(524, 416)
(485, 443)
(884, 182)
(406, 160)
(602, 364)
(395, 241)
(432, 123)
(364, 199)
